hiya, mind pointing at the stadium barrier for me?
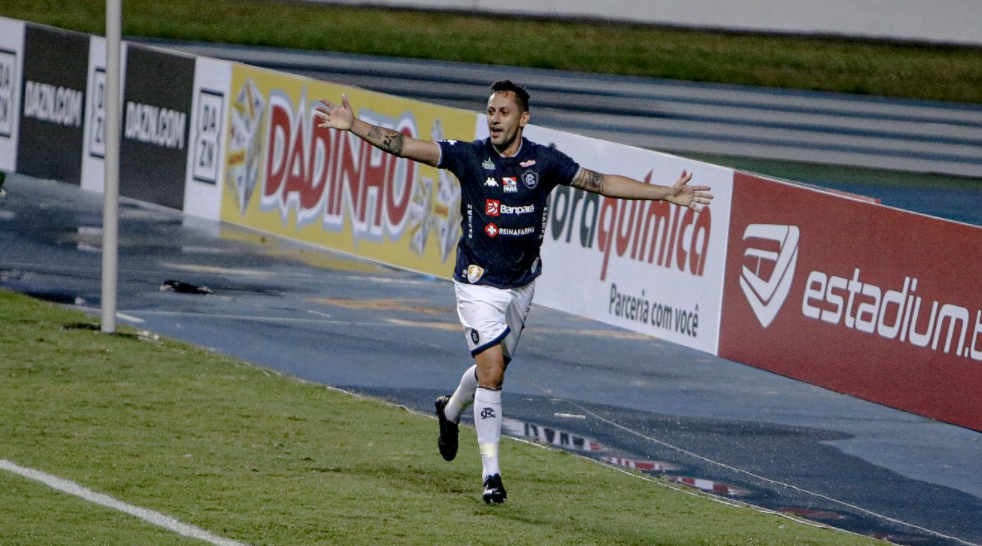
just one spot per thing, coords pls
(863, 299)
(649, 267)
(284, 175)
(811, 284)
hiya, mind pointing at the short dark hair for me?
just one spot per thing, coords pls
(521, 94)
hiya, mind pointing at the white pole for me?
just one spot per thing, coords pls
(110, 208)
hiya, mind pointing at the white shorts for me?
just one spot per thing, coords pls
(493, 316)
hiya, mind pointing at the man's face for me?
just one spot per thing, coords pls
(505, 120)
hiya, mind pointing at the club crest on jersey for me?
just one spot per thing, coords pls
(527, 164)
(510, 184)
(491, 182)
(530, 179)
(488, 164)
(474, 274)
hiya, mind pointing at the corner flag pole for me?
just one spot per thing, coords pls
(110, 208)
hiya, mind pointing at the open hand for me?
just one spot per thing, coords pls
(684, 195)
(331, 116)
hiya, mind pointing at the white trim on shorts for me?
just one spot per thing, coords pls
(493, 316)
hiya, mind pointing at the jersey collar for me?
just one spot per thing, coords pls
(521, 146)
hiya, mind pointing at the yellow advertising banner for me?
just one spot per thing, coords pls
(286, 176)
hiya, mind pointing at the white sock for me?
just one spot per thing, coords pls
(487, 419)
(463, 396)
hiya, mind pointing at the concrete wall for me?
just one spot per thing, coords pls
(939, 21)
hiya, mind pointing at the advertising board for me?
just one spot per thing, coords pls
(286, 176)
(94, 137)
(157, 97)
(863, 299)
(650, 267)
(52, 103)
(206, 153)
(11, 64)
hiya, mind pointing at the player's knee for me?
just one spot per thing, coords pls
(491, 377)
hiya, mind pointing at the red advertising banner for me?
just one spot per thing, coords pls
(866, 300)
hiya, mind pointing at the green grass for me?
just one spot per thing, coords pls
(262, 458)
(850, 66)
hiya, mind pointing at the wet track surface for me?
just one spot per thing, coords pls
(630, 400)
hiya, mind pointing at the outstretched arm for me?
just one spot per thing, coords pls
(612, 185)
(343, 118)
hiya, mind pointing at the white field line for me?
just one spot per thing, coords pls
(149, 516)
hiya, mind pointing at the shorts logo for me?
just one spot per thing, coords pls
(491, 182)
(475, 337)
(474, 274)
(530, 179)
(487, 413)
(488, 164)
(511, 184)
(491, 230)
(766, 296)
(492, 207)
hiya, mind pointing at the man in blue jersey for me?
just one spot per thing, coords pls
(505, 182)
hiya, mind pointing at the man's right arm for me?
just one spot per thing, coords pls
(342, 118)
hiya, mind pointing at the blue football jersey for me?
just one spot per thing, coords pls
(503, 208)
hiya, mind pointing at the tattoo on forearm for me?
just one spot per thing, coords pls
(393, 142)
(386, 139)
(588, 180)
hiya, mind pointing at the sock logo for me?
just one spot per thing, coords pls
(487, 413)
(766, 296)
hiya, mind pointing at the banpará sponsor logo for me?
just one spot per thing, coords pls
(895, 313)
(50, 103)
(526, 209)
(655, 232)
(637, 308)
(492, 207)
(155, 125)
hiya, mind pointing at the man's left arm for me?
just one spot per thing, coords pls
(622, 187)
